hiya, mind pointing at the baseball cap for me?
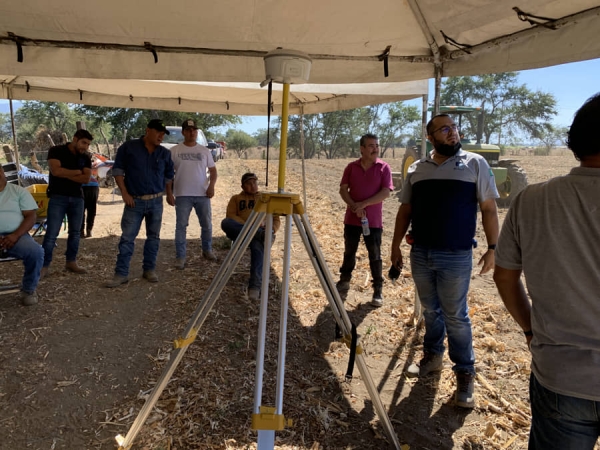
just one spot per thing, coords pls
(158, 125)
(189, 123)
(248, 176)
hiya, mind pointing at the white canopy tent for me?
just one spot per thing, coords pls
(213, 98)
(349, 41)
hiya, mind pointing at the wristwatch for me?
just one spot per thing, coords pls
(492, 247)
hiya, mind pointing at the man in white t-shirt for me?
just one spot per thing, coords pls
(193, 187)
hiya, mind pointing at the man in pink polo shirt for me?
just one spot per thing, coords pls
(366, 183)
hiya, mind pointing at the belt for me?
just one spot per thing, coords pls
(148, 196)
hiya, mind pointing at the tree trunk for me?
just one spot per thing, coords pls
(105, 140)
(8, 153)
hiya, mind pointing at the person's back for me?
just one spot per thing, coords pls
(551, 235)
(558, 229)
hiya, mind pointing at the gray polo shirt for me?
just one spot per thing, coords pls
(552, 233)
(444, 199)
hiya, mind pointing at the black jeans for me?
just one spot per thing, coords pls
(90, 198)
(352, 234)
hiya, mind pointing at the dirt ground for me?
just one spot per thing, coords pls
(75, 369)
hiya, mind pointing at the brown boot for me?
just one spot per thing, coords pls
(72, 266)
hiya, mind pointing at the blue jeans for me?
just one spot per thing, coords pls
(151, 211)
(32, 255)
(232, 229)
(183, 207)
(352, 234)
(58, 207)
(561, 422)
(442, 280)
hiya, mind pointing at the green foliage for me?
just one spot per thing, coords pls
(509, 108)
(130, 122)
(239, 141)
(551, 137)
(261, 137)
(53, 116)
(337, 134)
(5, 128)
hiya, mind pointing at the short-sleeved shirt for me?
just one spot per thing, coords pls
(364, 184)
(444, 199)
(240, 207)
(144, 173)
(13, 200)
(71, 161)
(191, 165)
(552, 233)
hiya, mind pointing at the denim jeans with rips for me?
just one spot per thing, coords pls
(442, 280)
(183, 208)
(32, 254)
(58, 207)
(561, 422)
(150, 211)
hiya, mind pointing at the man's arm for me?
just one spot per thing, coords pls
(345, 194)
(377, 198)
(11, 239)
(83, 177)
(402, 223)
(511, 290)
(489, 219)
(210, 191)
(127, 198)
(57, 170)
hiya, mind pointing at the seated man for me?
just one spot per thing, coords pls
(238, 210)
(17, 217)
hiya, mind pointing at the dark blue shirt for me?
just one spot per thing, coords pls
(145, 173)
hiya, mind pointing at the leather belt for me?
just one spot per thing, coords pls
(148, 196)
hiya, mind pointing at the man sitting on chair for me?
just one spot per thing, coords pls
(17, 217)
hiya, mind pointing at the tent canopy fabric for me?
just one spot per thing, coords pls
(213, 98)
(349, 41)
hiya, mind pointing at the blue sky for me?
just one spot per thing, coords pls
(571, 84)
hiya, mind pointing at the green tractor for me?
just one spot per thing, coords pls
(510, 177)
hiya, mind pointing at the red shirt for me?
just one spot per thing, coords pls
(363, 184)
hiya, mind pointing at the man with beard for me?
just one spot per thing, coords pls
(439, 201)
(365, 184)
(70, 167)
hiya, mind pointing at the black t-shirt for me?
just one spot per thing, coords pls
(68, 160)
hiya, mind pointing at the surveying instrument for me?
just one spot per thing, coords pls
(285, 67)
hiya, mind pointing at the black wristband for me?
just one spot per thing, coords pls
(528, 333)
(492, 247)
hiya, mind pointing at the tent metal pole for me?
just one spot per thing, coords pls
(283, 142)
(438, 89)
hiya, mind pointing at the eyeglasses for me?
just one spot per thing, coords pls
(446, 129)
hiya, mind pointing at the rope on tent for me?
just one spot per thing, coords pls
(531, 18)
(148, 46)
(384, 57)
(449, 40)
(19, 42)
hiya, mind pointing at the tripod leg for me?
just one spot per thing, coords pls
(341, 317)
(204, 307)
(266, 438)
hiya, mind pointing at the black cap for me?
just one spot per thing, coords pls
(248, 176)
(158, 125)
(189, 123)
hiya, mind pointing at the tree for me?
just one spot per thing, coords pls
(549, 138)
(52, 115)
(261, 137)
(392, 126)
(5, 128)
(508, 107)
(239, 141)
(130, 122)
